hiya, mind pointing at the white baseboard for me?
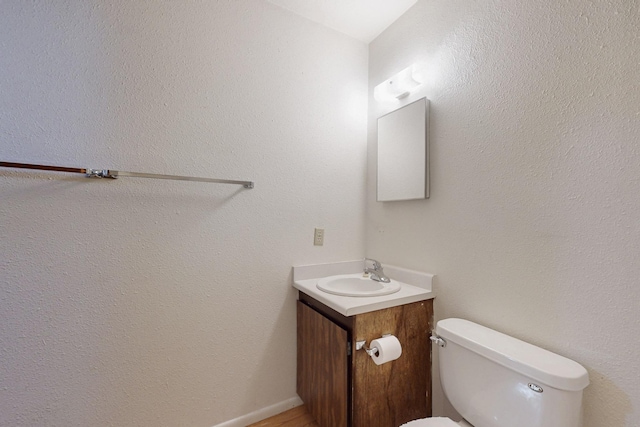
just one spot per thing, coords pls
(263, 413)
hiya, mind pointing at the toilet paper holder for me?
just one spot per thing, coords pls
(360, 345)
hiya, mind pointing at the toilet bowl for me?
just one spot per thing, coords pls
(436, 422)
(494, 380)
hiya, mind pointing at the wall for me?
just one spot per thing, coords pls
(533, 225)
(143, 302)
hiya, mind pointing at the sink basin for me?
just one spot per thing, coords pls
(356, 285)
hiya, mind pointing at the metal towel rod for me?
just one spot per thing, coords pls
(113, 174)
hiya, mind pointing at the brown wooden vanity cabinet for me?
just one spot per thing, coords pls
(342, 387)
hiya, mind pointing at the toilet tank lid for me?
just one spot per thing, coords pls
(534, 362)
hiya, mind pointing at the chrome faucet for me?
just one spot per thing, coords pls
(376, 272)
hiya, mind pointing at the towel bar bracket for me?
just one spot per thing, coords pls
(100, 173)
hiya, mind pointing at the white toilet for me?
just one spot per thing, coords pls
(494, 380)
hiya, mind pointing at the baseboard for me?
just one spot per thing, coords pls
(263, 413)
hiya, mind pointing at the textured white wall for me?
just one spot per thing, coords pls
(533, 225)
(142, 302)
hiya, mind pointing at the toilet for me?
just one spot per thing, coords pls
(494, 380)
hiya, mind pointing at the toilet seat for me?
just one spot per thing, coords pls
(433, 422)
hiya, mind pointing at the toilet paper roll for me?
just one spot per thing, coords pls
(389, 349)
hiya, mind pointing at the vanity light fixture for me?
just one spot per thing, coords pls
(398, 86)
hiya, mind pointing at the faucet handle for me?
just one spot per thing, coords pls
(376, 264)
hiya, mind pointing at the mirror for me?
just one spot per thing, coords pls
(403, 153)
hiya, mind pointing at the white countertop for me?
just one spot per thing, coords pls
(415, 286)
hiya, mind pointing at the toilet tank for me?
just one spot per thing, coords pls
(494, 380)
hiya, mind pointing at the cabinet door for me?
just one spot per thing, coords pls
(322, 367)
(396, 392)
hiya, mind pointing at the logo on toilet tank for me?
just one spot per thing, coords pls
(535, 387)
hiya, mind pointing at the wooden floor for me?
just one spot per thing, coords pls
(296, 417)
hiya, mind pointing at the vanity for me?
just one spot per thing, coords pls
(337, 379)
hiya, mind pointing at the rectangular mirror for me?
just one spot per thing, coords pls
(403, 153)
